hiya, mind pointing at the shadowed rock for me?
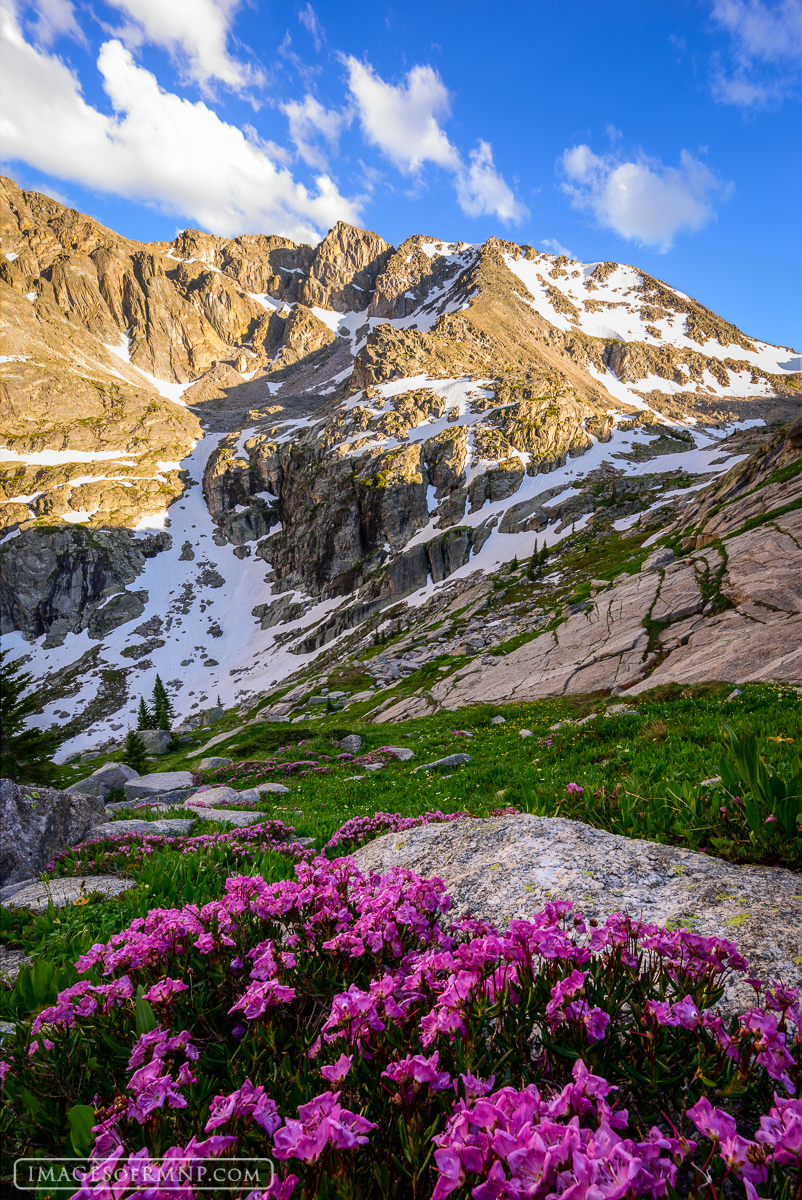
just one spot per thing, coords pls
(451, 760)
(37, 823)
(104, 780)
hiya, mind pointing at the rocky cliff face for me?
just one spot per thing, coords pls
(327, 430)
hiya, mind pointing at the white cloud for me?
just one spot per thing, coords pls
(156, 147)
(403, 121)
(310, 122)
(54, 19)
(763, 31)
(643, 201)
(482, 191)
(766, 51)
(194, 32)
(556, 247)
(308, 18)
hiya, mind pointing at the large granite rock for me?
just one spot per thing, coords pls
(263, 789)
(506, 867)
(37, 896)
(156, 741)
(351, 743)
(171, 787)
(402, 753)
(451, 760)
(231, 816)
(36, 823)
(214, 796)
(171, 827)
(104, 780)
(213, 762)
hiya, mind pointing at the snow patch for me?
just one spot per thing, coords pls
(151, 521)
(170, 391)
(80, 515)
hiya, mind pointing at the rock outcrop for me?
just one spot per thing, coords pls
(60, 892)
(103, 781)
(503, 868)
(64, 580)
(656, 627)
(37, 823)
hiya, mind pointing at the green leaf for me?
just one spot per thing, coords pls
(41, 979)
(24, 988)
(30, 1101)
(81, 1118)
(145, 1016)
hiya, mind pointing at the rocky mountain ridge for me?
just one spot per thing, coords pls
(305, 437)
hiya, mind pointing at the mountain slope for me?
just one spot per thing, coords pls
(218, 455)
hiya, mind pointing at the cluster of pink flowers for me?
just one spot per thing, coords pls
(166, 1177)
(258, 768)
(520, 1144)
(415, 1071)
(394, 1009)
(757, 1037)
(778, 1138)
(133, 848)
(322, 1122)
(247, 1101)
(82, 1000)
(358, 830)
(151, 1084)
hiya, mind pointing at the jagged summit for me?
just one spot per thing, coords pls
(305, 436)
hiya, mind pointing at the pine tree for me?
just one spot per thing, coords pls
(135, 755)
(161, 719)
(163, 711)
(144, 718)
(24, 753)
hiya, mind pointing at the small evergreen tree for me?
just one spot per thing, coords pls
(163, 711)
(144, 718)
(544, 554)
(24, 753)
(135, 754)
(161, 719)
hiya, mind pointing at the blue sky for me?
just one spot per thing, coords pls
(665, 134)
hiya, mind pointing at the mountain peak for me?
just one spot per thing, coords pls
(320, 433)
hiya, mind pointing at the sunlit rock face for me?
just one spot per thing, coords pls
(217, 456)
